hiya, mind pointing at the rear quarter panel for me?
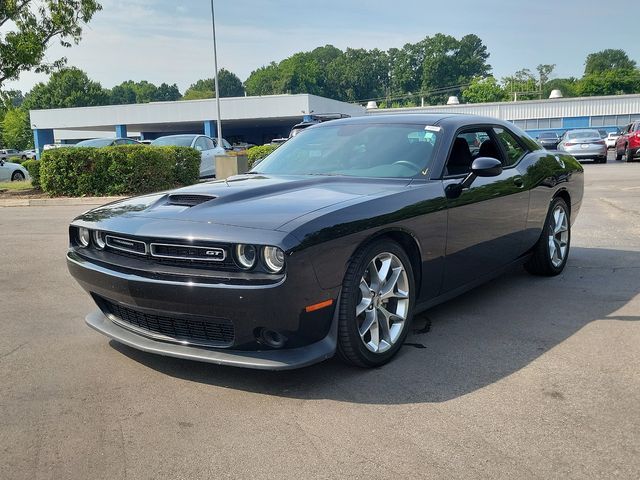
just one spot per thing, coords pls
(547, 175)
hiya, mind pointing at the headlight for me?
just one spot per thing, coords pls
(98, 239)
(246, 255)
(84, 236)
(273, 258)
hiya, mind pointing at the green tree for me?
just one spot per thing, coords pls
(167, 93)
(357, 75)
(610, 82)
(230, 86)
(16, 132)
(69, 87)
(263, 81)
(35, 26)
(483, 90)
(568, 87)
(609, 59)
(449, 63)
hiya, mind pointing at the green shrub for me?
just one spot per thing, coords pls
(119, 170)
(33, 167)
(259, 152)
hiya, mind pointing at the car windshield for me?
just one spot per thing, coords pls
(583, 134)
(96, 142)
(358, 150)
(549, 135)
(177, 140)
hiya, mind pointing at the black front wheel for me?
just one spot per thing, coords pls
(17, 176)
(550, 253)
(376, 305)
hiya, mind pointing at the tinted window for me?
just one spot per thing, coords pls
(511, 146)
(200, 144)
(359, 150)
(208, 143)
(177, 140)
(96, 142)
(582, 134)
(468, 146)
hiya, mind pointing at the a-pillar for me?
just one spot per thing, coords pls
(42, 137)
(121, 131)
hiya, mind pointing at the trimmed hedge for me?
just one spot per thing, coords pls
(33, 167)
(118, 170)
(259, 152)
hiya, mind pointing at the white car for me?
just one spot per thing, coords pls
(12, 171)
(610, 139)
(205, 145)
(28, 155)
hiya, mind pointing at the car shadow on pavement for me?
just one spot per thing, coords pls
(473, 341)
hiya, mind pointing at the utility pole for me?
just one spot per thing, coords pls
(215, 66)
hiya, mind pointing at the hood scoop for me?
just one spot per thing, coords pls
(188, 200)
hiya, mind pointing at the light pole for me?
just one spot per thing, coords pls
(215, 66)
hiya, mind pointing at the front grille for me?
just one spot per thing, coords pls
(188, 252)
(126, 244)
(188, 200)
(214, 332)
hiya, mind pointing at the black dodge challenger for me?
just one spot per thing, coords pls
(331, 244)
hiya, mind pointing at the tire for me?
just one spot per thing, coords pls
(24, 157)
(376, 345)
(17, 176)
(628, 156)
(618, 155)
(548, 259)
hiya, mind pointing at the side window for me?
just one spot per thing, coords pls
(467, 146)
(200, 144)
(208, 143)
(514, 151)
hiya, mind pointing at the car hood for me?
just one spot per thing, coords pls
(14, 165)
(252, 201)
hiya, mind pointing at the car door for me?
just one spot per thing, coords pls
(5, 171)
(206, 148)
(486, 222)
(622, 140)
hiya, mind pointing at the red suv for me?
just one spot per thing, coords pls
(628, 143)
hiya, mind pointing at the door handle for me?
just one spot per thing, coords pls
(518, 182)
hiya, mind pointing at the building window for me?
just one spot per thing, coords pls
(634, 117)
(622, 120)
(597, 121)
(543, 123)
(531, 124)
(519, 124)
(555, 123)
(610, 120)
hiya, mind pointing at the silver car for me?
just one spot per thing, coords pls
(584, 144)
(205, 145)
(12, 171)
(8, 154)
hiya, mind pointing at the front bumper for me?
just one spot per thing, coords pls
(191, 305)
(285, 359)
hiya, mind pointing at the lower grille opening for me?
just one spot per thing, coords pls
(214, 332)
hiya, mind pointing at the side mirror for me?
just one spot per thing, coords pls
(481, 167)
(486, 167)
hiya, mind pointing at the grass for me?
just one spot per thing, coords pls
(16, 186)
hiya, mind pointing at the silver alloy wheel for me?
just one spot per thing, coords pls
(559, 236)
(384, 302)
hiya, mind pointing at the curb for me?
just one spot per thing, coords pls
(56, 202)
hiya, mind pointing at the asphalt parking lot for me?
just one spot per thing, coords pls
(523, 378)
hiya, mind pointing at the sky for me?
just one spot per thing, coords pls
(171, 41)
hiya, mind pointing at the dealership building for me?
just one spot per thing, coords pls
(259, 119)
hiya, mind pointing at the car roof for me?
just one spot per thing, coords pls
(455, 119)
